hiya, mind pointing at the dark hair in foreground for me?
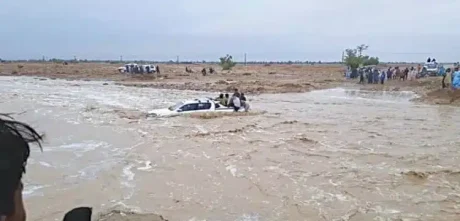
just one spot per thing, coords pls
(15, 137)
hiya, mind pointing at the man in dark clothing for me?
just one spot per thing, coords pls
(428, 60)
(369, 76)
(406, 73)
(222, 100)
(361, 76)
(382, 77)
(236, 93)
(229, 102)
(389, 73)
(243, 98)
(158, 69)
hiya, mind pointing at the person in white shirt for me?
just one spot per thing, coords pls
(236, 103)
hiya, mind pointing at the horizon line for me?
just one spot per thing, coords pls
(56, 60)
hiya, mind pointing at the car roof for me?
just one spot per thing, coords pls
(198, 100)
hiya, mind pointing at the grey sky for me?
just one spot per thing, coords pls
(206, 29)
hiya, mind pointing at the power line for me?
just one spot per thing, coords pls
(386, 52)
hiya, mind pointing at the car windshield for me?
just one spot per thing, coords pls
(431, 66)
(176, 106)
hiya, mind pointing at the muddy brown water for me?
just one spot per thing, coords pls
(335, 154)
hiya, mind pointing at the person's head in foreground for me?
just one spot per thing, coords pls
(14, 152)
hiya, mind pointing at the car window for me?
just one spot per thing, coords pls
(189, 107)
(175, 106)
(204, 106)
(217, 105)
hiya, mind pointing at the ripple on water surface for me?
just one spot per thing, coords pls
(335, 154)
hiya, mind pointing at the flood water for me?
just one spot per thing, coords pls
(325, 155)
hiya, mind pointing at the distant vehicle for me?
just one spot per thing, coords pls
(430, 69)
(191, 106)
(137, 69)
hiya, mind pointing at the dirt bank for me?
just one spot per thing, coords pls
(250, 79)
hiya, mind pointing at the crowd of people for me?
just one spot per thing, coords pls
(237, 101)
(450, 76)
(376, 76)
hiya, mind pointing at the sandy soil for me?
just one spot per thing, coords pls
(251, 79)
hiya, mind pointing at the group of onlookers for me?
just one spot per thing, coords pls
(376, 76)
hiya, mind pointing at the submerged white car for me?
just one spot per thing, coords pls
(191, 106)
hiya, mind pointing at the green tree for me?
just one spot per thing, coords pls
(227, 62)
(370, 60)
(361, 48)
(355, 58)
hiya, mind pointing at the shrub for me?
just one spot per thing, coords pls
(227, 62)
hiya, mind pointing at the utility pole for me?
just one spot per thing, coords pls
(343, 56)
(121, 58)
(177, 59)
(244, 59)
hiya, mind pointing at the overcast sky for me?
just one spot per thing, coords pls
(406, 30)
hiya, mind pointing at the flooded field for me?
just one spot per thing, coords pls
(325, 155)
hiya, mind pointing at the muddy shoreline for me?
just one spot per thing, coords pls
(251, 79)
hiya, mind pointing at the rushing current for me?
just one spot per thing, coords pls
(337, 154)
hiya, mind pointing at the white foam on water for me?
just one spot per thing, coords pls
(147, 167)
(232, 169)
(249, 217)
(32, 190)
(335, 112)
(128, 176)
(45, 164)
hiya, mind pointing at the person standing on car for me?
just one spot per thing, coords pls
(221, 99)
(236, 93)
(243, 98)
(227, 100)
(236, 102)
(244, 103)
